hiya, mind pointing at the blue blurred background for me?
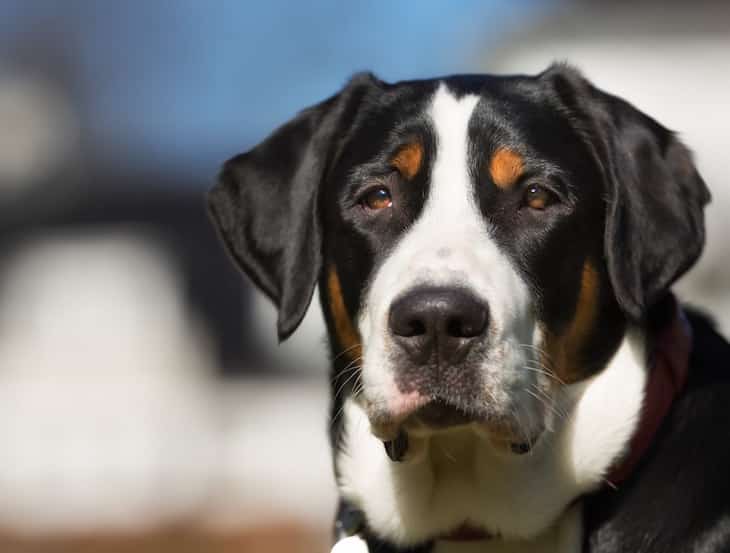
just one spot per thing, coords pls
(144, 403)
(174, 84)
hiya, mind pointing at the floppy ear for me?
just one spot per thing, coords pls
(655, 197)
(265, 204)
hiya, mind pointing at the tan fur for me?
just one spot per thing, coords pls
(347, 336)
(506, 167)
(408, 160)
(564, 350)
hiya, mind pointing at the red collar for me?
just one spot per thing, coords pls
(669, 362)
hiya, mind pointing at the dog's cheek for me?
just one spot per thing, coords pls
(346, 335)
(564, 349)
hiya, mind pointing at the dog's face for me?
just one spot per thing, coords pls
(471, 249)
(480, 242)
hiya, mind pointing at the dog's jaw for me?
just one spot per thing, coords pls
(458, 477)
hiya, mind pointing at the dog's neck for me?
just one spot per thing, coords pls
(669, 362)
(455, 477)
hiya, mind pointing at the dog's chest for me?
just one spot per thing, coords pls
(566, 536)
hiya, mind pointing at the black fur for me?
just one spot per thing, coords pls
(678, 500)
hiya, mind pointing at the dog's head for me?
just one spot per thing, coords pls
(479, 241)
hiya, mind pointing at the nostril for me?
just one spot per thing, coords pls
(417, 327)
(410, 328)
(407, 320)
(467, 324)
(454, 327)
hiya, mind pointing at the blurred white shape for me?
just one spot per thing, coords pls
(350, 544)
(680, 78)
(39, 132)
(106, 417)
(276, 459)
(110, 414)
(305, 351)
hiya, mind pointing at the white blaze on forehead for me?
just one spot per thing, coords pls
(451, 189)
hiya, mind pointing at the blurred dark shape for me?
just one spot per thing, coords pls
(174, 216)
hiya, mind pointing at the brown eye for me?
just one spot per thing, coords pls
(538, 197)
(377, 198)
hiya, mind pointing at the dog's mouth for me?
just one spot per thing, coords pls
(438, 416)
(420, 415)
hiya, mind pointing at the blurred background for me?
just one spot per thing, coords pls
(144, 402)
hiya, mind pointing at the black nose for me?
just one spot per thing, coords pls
(437, 321)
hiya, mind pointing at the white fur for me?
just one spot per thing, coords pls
(350, 544)
(565, 536)
(463, 478)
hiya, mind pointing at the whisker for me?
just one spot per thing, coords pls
(610, 484)
(521, 426)
(358, 386)
(547, 373)
(545, 403)
(448, 455)
(337, 415)
(543, 353)
(546, 357)
(354, 374)
(353, 369)
(351, 364)
(357, 389)
(344, 351)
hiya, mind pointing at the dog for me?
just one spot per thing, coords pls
(494, 257)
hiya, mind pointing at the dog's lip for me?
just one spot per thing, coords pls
(426, 417)
(385, 429)
(438, 414)
(508, 439)
(467, 531)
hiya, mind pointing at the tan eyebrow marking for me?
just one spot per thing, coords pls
(505, 167)
(408, 160)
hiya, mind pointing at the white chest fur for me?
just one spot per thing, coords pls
(457, 478)
(565, 536)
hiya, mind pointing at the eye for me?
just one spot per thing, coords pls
(538, 197)
(377, 198)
